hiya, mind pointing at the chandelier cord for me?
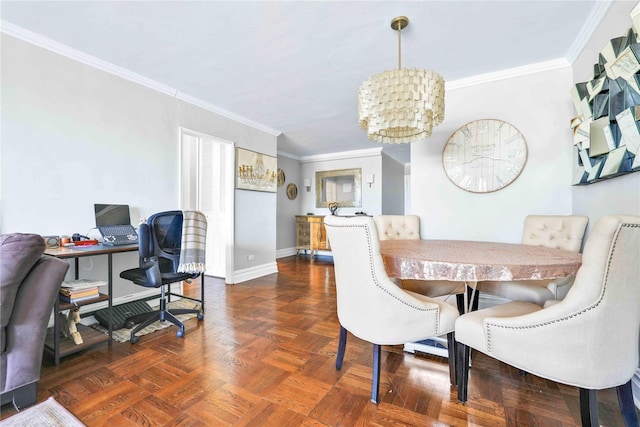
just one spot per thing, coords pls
(399, 47)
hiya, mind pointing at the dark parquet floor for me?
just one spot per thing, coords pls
(264, 356)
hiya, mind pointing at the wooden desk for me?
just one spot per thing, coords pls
(54, 344)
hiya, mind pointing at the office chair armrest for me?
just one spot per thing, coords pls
(152, 270)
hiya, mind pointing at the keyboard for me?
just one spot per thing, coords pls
(118, 235)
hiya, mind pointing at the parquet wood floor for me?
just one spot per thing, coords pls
(264, 356)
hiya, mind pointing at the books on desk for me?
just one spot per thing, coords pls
(74, 291)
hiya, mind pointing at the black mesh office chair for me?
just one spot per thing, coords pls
(159, 250)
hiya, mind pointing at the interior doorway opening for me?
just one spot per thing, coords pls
(206, 184)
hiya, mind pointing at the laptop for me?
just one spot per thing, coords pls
(114, 223)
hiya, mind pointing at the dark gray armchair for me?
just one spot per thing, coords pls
(29, 285)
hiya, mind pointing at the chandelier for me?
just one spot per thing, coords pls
(402, 105)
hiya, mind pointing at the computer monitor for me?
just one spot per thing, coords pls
(112, 214)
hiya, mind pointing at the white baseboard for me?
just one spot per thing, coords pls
(282, 253)
(245, 274)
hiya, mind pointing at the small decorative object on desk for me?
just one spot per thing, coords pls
(333, 207)
(69, 328)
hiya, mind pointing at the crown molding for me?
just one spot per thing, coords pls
(368, 152)
(593, 20)
(225, 113)
(92, 61)
(507, 74)
(288, 155)
(83, 58)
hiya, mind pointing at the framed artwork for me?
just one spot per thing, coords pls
(606, 131)
(256, 171)
(342, 186)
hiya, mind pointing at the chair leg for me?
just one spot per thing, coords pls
(589, 407)
(375, 381)
(627, 407)
(149, 320)
(451, 348)
(342, 344)
(462, 364)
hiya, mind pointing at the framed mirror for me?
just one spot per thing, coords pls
(343, 186)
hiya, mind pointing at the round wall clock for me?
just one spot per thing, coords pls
(280, 177)
(292, 191)
(484, 156)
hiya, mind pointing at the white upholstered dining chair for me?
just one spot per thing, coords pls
(370, 306)
(552, 231)
(407, 227)
(588, 340)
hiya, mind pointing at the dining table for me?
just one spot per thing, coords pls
(469, 262)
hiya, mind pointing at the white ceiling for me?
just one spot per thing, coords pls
(295, 66)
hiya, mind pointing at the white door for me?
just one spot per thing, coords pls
(207, 185)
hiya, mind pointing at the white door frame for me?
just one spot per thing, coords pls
(229, 200)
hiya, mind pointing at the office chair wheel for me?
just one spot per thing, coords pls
(135, 339)
(180, 333)
(200, 316)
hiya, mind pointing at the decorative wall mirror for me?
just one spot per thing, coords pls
(343, 186)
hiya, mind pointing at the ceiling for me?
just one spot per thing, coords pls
(295, 66)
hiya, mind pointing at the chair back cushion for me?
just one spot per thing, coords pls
(555, 231)
(166, 231)
(369, 304)
(591, 338)
(394, 227)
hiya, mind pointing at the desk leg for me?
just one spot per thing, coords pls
(110, 290)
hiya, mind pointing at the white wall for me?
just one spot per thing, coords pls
(392, 184)
(73, 135)
(536, 104)
(288, 209)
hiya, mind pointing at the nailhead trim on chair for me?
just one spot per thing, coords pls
(375, 279)
(581, 312)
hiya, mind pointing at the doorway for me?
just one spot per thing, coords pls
(206, 185)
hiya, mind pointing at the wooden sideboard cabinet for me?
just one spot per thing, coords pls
(311, 235)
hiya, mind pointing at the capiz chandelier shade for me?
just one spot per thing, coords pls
(402, 105)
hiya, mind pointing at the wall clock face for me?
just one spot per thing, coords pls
(484, 156)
